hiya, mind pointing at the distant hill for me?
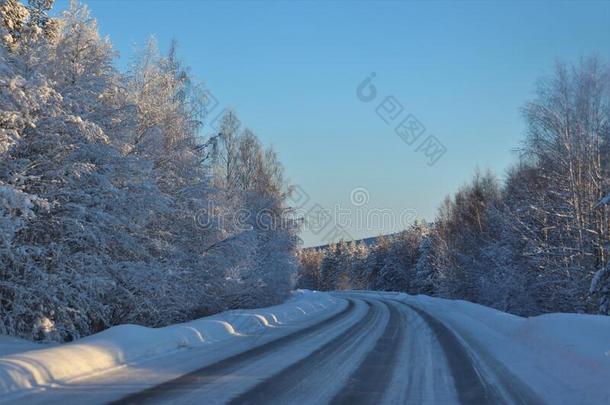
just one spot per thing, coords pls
(370, 241)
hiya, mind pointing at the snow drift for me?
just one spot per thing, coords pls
(129, 344)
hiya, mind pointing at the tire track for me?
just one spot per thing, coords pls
(369, 382)
(280, 385)
(469, 384)
(211, 372)
(486, 392)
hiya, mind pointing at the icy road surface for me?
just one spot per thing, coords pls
(372, 350)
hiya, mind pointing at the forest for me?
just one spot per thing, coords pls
(114, 208)
(117, 208)
(533, 243)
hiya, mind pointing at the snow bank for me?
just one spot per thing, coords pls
(129, 344)
(564, 358)
(10, 345)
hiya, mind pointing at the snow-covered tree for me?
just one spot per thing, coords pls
(23, 25)
(564, 173)
(600, 290)
(81, 67)
(108, 214)
(309, 268)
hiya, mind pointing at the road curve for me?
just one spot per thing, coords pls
(376, 350)
(215, 383)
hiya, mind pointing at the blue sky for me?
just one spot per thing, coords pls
(291, 70)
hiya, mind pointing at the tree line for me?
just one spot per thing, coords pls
(113, 207)
(534, 243)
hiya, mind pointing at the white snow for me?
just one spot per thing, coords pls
(563, 357)
(128, 345)
(10, 345)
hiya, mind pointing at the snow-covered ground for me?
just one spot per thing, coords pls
(564, 358)
(10, 345)
(27, 367)
(400, 347)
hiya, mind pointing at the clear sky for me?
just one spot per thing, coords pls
(291, 70)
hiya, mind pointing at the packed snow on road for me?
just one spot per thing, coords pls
(321, 348)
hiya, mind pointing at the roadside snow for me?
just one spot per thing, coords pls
(126, 345)
(564, 358)
(10, 345)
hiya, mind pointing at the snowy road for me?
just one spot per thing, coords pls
(356, 347)
(373, 351)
